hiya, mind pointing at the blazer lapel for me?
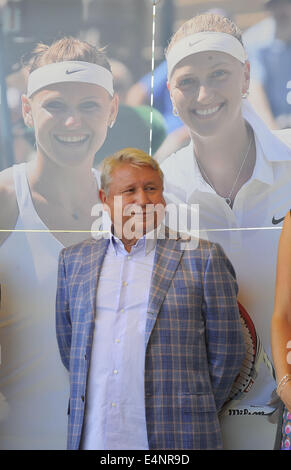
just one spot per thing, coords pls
(167, 257)
(91, 272)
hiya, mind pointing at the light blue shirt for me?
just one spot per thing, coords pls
(115, 403)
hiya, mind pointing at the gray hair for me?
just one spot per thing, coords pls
(135, 157)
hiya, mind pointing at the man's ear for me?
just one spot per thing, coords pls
(102, 196)
(27, 111)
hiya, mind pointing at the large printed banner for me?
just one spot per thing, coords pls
(47, 201)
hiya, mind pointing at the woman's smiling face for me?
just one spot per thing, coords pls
(206, 89)
(70, 120)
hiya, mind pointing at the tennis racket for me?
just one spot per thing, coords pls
(255, 355)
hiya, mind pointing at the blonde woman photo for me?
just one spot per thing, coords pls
(46, 205)
(239, 173)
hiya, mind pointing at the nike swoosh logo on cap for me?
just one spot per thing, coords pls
(277, 221)
(68, 72)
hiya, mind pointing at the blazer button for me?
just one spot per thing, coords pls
(82, 398)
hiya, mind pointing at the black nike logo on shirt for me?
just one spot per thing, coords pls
(277, 221)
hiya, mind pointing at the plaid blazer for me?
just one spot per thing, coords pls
(194, 342)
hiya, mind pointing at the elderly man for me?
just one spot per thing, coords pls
(148, 329)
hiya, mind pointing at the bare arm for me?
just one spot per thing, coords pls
(281, 321)
(173, 142)
(8, 204)
(136, 95)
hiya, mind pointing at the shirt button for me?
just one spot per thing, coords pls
(129, 257)
(117, 341)
(113, 405)
(115, 371)
(122, 310)
(124, 283)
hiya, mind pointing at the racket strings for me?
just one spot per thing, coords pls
(245, 379)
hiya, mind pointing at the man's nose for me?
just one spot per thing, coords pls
(141, 197)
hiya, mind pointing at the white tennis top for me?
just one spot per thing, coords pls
(246, 232)
(32, 376)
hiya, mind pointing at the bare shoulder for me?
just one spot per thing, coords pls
(287, 227)
(284, 249)
(8, 203)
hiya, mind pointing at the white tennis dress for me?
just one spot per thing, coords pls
(32, 378)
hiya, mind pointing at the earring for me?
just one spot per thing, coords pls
(175, 112)
(29, 122)
(111, 124)
(245, 95)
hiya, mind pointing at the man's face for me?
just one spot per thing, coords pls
(135, 200)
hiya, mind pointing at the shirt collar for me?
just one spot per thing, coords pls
(146, 244)
(263, 170)
(275, 145)
(143, 246)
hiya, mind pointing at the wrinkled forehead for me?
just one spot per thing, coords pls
(134, 169)
(125, 174)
